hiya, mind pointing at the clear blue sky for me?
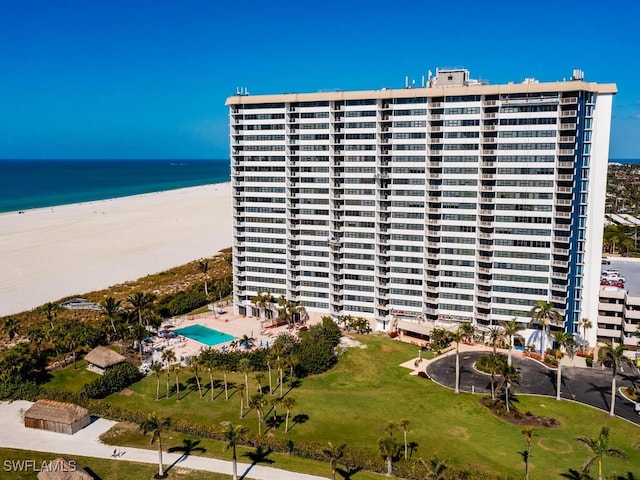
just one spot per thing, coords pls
(148, 79)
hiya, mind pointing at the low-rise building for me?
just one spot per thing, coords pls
(618, 317)
(101, 358)
(58, 417)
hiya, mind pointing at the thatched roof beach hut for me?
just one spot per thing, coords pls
(63, 469)
(57, 417)
(101, 358)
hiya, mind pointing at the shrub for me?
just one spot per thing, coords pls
(114, 380)
(315, 356)
(589, 360)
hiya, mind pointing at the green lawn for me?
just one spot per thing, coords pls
(71, 379)
(11, 467)
(353, 402)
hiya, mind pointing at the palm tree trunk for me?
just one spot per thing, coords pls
(559, 380)
(211, 381)
(281, 380)
(177, 388)
(226, 390)
(168, 387)
(389, 466)
(160, 467)
(286, 423)
(270, 385)
(457, 390)
(493, 387)
(246, 384)
(600, 476)
(241, 406)
(405, 445)
(613, 394)
(506, 396)
(199, 387)
(235, 464)
(157, 388)
(510, 348)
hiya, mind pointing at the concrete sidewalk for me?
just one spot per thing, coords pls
(14, 434)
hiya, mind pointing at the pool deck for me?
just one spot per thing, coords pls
(227, 322)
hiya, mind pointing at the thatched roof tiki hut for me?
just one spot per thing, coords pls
(101, 358)
(57, 417)
(63, 469)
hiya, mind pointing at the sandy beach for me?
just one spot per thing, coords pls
(50, 253)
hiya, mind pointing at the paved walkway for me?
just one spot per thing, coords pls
(14, 434)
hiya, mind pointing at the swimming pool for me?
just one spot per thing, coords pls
(205, 335)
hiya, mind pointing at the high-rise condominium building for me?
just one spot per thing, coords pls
(456, 201)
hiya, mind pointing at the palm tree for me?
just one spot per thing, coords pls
(457, 337)
(244, 365)
(496, 334)
(615, 357)
(208, 361)
(274, 403)
(232, 435)
(269, 361)
(156, 369)
(240, 388)
(288, 403)
(37, 336)
(528, 434)
(258, 402)
(510, 377)
(390, 427)
(543, 313)
(73, 335)
(468, 331)
(262, 301)
(110, 309)
(195, 366)
(225, 370)
(334, 454)
(154, 426)
(139, 333)
(404, 424)
(168, 357)
(258, 377)
(51, 312)
(177, 368)
(11, 327)
(496, 365)
(203, 266)
(599, 448)
(280, 363)
(511, 328)
(388, 448)
(564, 341)
(141, 302)
(292, 362)
(585, 324)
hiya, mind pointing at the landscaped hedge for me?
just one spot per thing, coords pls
(114, 380)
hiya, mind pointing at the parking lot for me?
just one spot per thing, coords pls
(628, 268)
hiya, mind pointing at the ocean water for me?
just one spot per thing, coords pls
(26, 184)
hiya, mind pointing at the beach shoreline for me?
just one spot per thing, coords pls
(53, 252)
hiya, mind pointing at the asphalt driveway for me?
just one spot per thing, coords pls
(590, 386)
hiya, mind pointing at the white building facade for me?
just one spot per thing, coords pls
(457, 201)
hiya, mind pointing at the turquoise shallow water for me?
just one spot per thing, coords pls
(26, 184)
(205, 335)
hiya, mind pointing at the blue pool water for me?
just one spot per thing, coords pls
(207, 336)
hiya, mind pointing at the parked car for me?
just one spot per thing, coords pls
(606, 261)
